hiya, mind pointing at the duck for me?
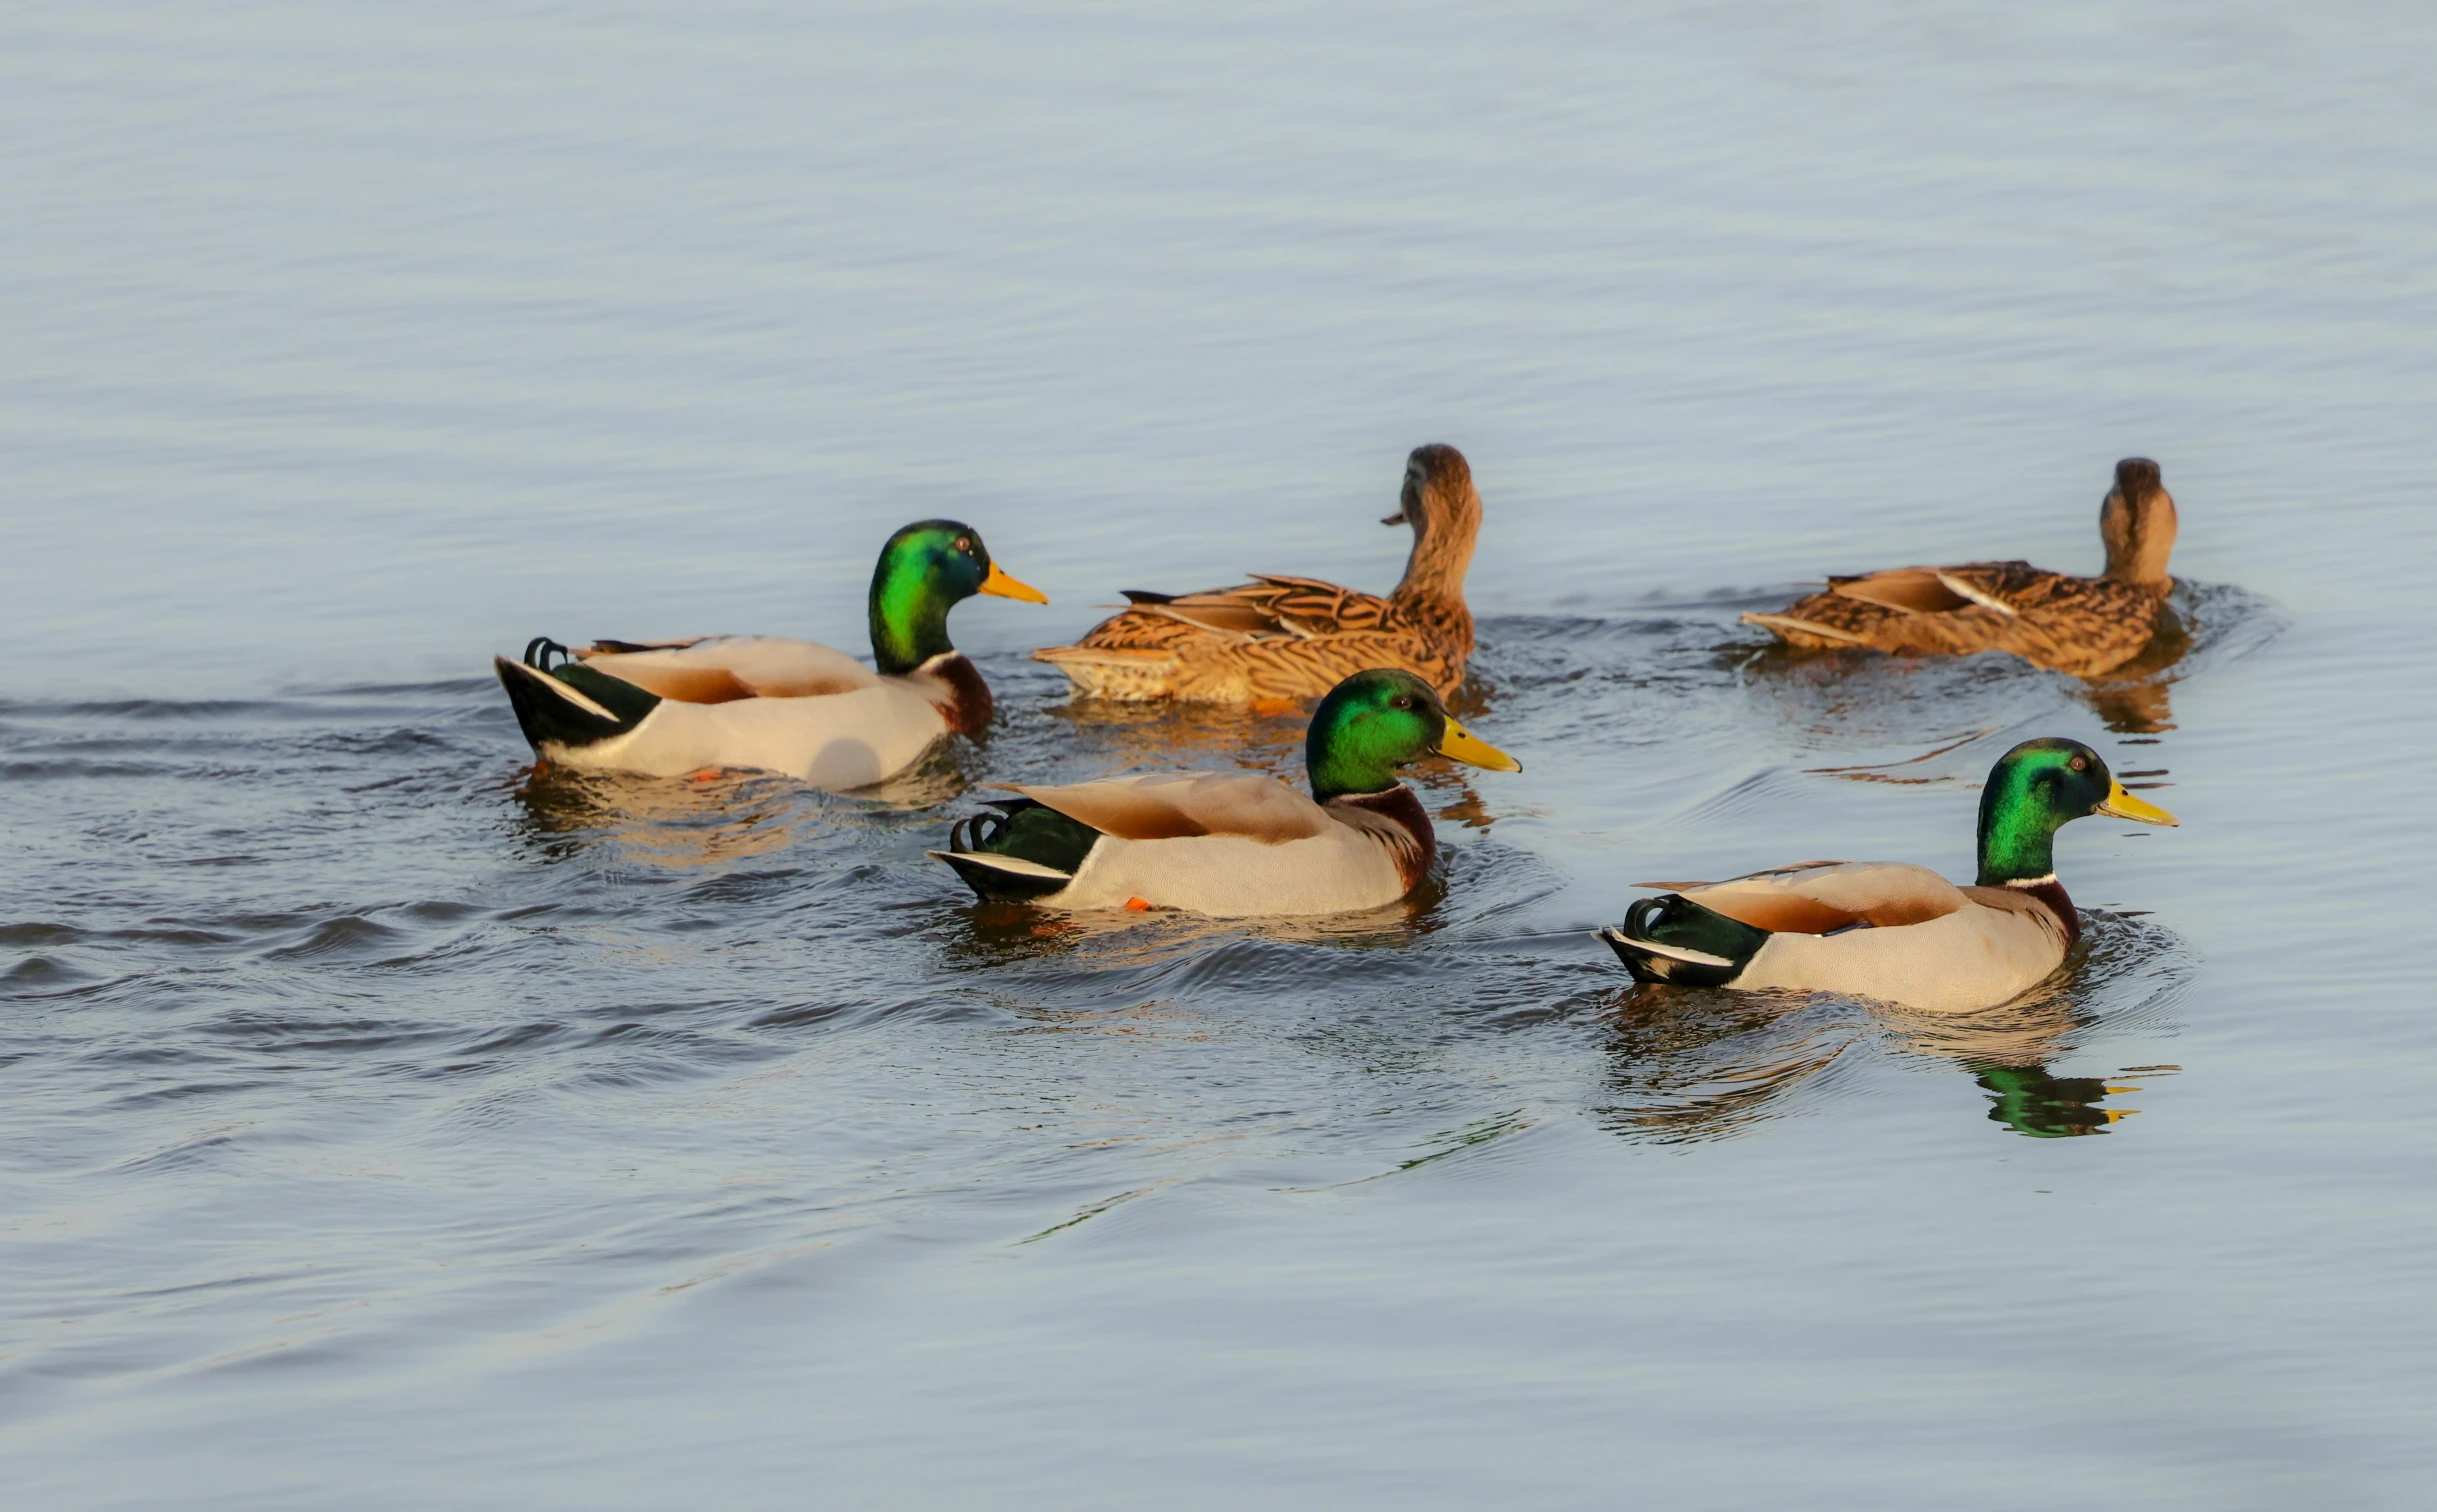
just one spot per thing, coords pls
(1888, 930)
(1284, 641)
(1236, 844)
(758, 702)
(2084, 626)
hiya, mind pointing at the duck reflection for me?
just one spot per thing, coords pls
(673, 822)
(2006, 1052)
(997, 934)
(1465, 807)
(718, 814)
(2033, 1101)
(1169, 734)
(2133, 699)
(1840, 693)
(1692, 1064)
(2140, 708)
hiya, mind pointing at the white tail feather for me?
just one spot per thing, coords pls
(1672, 952)
(570, 693)
(1788, 622)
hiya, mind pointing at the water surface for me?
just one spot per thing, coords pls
(388, 1123)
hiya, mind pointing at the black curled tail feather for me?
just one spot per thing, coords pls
(993, 884)
(1672, 939)
(1020, 829)
(1629, 943)
(1029, 831)
(974, 832)
(569, 705)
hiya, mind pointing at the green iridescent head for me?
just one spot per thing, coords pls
(2036, 789)
(1376, 721)
(925, 570)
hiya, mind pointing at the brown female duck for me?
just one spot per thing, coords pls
(1287, 639)
(2081, 625)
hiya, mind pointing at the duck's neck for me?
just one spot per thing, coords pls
(1402, 805)
(2018, 852)
(2009, 859)
(2140, 537)
(2017, 840)
(909, 620)
(1443, 534)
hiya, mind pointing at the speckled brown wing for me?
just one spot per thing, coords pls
(1302, 669)
(2082, 626)
(1826, 620)
(1444, 628)
(1209, 666)
(1275, 638)
(1308, 606)
(1297, 608)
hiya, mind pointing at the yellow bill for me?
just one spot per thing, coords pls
(2122, 805)
(1460, 744)
(1004, 586)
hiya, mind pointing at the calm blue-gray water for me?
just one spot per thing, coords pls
(381, 1126)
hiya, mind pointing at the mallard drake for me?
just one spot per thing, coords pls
(2084, 626)
(1885, 930)
(1236, 843)
(1290, 639)
(665, 708)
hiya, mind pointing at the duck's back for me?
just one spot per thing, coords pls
(1275, 638)
(764, 702)
(835, 741)
(1232, 876)
(724, 668)
(1985, 953)
(2080, 625)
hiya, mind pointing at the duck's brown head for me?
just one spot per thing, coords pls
(2138, 524)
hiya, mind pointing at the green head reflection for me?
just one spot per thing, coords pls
(2030, 1101)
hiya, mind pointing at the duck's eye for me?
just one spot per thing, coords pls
(964, 543)
(1401, 701)
(2081, 763)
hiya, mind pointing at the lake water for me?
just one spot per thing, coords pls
(384, 1127)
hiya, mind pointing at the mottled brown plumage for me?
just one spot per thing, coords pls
(2081, 625)
(1294, 638)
